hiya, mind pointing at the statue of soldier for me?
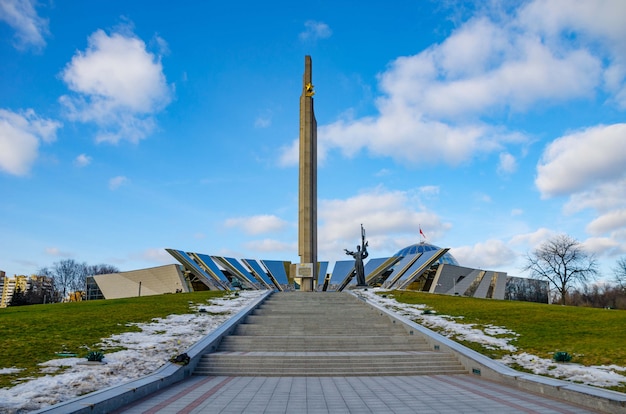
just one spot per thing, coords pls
(359, 255)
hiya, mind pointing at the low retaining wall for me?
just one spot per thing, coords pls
(109, 399)
(595, 398)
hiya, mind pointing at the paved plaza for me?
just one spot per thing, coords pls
(454, 394)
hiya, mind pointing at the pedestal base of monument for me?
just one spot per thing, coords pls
(361, 286)
(304, 272)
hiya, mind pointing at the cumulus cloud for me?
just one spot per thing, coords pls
(257, 224)
(30, 29)
(601, 197)
(534, 239)
(600, 246)
(443, 101)
(588, 167)
(593, 21)
(574, 162)
(489, 255)
(392, 220)
(117, 182)
(118, 85)
(20, 137)
(314, 30)
(82, 160)
(612, 220)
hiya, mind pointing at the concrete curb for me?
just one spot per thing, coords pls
(109, 399)
(591, 397)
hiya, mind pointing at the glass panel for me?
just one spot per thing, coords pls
(277, 269)
(210, 264)
(341, 270)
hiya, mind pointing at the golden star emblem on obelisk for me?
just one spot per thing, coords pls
(309, 89)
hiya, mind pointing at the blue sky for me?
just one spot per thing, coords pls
(129, 127)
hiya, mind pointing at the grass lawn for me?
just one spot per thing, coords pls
(592, 336)
(34, 334)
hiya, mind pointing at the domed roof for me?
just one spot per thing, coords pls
(426, 247)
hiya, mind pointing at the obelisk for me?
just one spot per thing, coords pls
(307, 200)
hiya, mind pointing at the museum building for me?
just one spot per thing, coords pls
(419, 267)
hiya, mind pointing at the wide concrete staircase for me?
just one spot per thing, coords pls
(323, 334)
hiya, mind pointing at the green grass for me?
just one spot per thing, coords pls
(592, 336)
(34, 334)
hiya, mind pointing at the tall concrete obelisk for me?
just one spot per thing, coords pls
(307, 200)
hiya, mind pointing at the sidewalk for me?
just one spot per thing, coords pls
(454, 394)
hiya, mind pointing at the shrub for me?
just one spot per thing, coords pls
(562, 356)
(95, 356)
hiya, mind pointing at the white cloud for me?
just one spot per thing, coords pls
(517, 212)
(588, 166)
(489, 255)
(391, 219)
(507, 164)
(20, 136)
(437, 102)
(55, 251)
(290, 155)
(157, 255)
(577, 161)
(600, 22)
(30, 29)
(118, 85)
(262, 122)
(609, 202)
(608, 222)
(270, 245)
(603, 246)
(82, 160)
(601, 197)
(430, 191)
(314, 30)
(117, 182)
(257, 224)
(534, 239)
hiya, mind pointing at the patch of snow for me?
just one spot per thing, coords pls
(600, 376)
(146, 351)
(9, 370)
(497, 337)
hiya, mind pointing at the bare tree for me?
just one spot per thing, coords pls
(562, 262)
(620, 272)
(101, 269)
(71, 276)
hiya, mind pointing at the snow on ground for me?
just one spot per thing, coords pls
(496, 337)
(147, 350)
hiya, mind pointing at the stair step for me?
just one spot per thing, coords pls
(323, 334)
